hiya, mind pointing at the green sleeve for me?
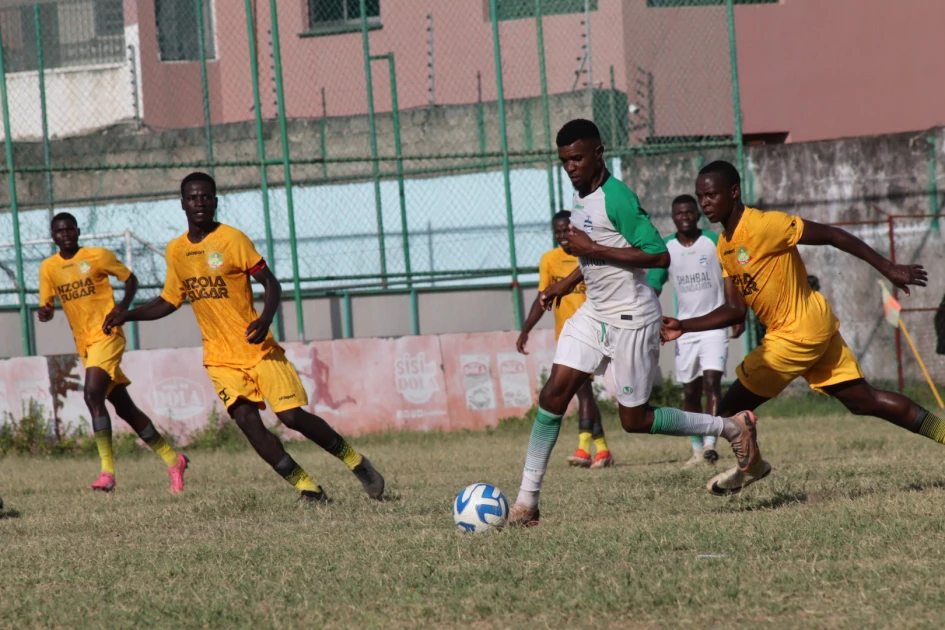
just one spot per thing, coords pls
(712, 236)
(632, 221)
(656, 277)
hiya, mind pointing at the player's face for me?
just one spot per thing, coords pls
(715, 197)
(582, 162)
(199, 202)
(65, 234)
(562, 228)
(686, 217)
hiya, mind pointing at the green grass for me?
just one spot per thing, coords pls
(847, 532)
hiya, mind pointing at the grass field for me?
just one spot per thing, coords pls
(847, 532)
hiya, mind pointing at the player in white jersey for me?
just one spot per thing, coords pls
(697, 279)
(619, 322)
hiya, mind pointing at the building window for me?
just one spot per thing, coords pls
(73, 33)
(330, 17)
(177, 34)
(525, 9)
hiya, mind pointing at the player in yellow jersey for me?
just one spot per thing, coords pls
(763, 269)
(79, 277)
(211, 265)
(554, 266)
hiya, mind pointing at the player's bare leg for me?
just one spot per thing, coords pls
(692, 402)
(317, 430)
(270, 449)
(563, 383)
(128, 411)
(97, 382)
(862, 399)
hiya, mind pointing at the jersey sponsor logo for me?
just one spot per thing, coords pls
(204, 287)
(592, 262)
(691, 282)
(627, 318)
(85, 267)
(195, 253)
(588, 225)
(74, 290)
(742, 256)
(745, 284)
(728, 251)
(215, 260)
(704, 260)
(287, 397)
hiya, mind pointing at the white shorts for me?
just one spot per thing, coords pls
(588, 345)
(695, 356)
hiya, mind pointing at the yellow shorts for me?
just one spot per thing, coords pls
(273, 379)
(771, 367)
(106, 355)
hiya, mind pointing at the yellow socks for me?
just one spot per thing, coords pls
(584, 441)
(103, 440)
(157, 443)
(600, 443)
(296, 475)
(343, 451)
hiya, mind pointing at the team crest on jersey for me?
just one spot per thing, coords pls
(588, 225)
(215, 260)
(742, 256)
(85, 267)
(704, 260)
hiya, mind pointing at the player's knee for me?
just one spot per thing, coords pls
(633, 420)
(94, 397)
(861, 405)
(291, 418)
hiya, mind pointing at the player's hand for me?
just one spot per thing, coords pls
(45, 312)
(904, 275)
(551, 297)
(738, 330)
(580, 243)
(670, 330)
(114, 319)
(522, 340)
(256, 332)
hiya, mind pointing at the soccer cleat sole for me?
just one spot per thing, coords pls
(524, 523)
(314, 498)
(716, 490)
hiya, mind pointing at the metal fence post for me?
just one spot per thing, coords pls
(204, 84)
(261, 149)
(504, 143)
(375, 167)
(47, 154)
(287, 169)
(545, 108)
(14, 207)
(933, 181)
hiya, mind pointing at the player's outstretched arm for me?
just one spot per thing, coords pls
(257, 330)
(582, 245)
(551, 296)
(155, 309)
(534, 315)
(900, 275)
(732, 312)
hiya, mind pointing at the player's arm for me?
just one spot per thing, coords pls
(47, 297)
(900, 275)
(534, 315)
(131, 288)
(157, 308)
(257, 330)
(551, 296)
(582, 245)
(657, 278)
(732, 312)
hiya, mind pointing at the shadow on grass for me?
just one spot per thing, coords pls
(920, 486)
(9, 514)
(779, 500)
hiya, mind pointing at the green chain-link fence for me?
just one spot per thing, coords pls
(366, 146)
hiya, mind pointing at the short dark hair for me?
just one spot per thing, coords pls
(197, 176)
(723, 168)
(577, 129)
(563, 214)
(63, 216)
(685, 199)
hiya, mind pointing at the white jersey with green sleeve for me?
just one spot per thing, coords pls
(697, 278)
(617, 294)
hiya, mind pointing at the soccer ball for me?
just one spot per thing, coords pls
(480, 508)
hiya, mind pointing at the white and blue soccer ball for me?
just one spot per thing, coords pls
(480, 508)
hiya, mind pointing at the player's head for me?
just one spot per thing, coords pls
(561, 224)
(581, 152)
(65, 232)
(719, 190)
(198, 198)
(686, 214)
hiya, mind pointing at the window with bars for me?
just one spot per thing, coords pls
(177, 32)
(70, 33)
(328, 17)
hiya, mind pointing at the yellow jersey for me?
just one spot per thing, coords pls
(82, 286)
(554, 266)
(214, 275)
(763, 260)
